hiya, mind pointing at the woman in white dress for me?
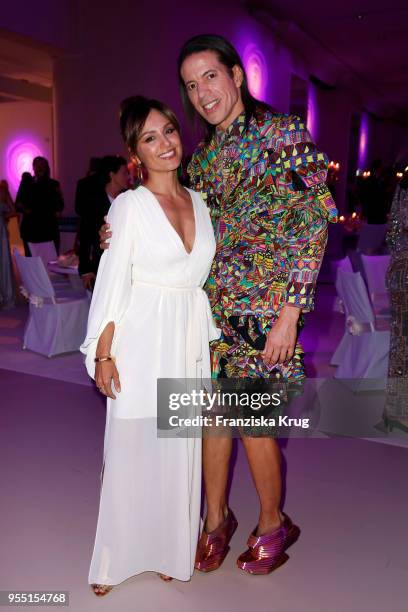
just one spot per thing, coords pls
(149, 319)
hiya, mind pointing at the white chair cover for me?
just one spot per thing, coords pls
(34, 276)
(365, 353)
(56, 324)
(341, 349)
(375, 268)
(353, 293)
(346, 266)
(45, 250)
(340, 264)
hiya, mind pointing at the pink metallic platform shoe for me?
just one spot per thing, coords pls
(213, 547)
(267, 552)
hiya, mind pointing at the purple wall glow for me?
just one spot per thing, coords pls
(312, 113)
(20, 155)
(363, 142)
(256, 69)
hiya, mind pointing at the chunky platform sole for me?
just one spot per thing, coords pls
(267, 552)
(213, 547)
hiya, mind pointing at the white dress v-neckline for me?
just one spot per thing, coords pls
(157, 202)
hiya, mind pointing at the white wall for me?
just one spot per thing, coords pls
(24, 122)
(127, 47)
(44, 21)
(130, 51)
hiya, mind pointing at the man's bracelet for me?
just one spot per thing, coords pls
(101, 359)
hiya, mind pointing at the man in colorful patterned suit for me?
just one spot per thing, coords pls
(264, 181)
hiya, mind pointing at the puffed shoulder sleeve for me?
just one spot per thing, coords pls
(308, 205)
(302, 168)
(112, 289)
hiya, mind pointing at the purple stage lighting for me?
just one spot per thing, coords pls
(363, 142)
(256, 69)
(312, 118)
(20, 155)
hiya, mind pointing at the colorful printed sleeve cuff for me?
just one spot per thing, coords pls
(300, 296)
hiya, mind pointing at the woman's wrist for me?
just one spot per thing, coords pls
(103, 349)
(106, 357)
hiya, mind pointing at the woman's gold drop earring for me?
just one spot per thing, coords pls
(139, 169)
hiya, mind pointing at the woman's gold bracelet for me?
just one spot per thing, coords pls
(101, 359)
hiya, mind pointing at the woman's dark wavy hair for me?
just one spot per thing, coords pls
(229, 57)
(133, 114)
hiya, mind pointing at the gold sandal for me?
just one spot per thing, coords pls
(164, 577)
(103, 588)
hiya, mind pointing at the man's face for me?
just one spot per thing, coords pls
(40, 168)
(213, 91)
(121, 178)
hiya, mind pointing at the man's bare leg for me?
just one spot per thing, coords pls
(264, 458)
(216, 458)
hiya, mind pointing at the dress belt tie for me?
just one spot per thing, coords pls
(200, 330)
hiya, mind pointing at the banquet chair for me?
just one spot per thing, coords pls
(375, 268)
(340, 264)
(364, 353)
(56, 323)
(47, 252)
(356, 263)
(345, 265)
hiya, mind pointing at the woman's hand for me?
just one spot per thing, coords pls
(281, 340)
(105, 373)
(104, 235)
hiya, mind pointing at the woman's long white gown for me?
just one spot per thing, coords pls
(151, 288)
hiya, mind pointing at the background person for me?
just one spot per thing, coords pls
(87, 186)
(396, 407)
(94, 196)
(42, 203)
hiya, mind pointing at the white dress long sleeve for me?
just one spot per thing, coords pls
(150, 287)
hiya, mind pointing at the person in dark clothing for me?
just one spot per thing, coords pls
(87, 189)
(94, 197)
(26, 180)
(41, 201)
(396, 404)
(87, 186)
